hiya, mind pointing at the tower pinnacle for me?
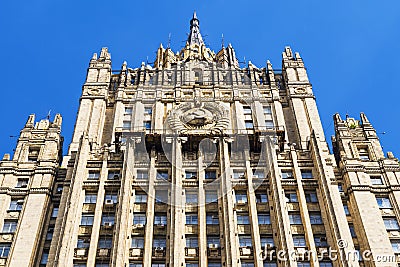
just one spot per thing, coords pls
(195, 35)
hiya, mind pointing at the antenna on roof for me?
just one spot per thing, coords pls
(222, 41)
(169, 40)
(48, 115)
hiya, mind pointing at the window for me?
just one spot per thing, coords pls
(45, 257)
(107, 219)
(291, 197)
(159, 243)
(320, 241)
(213, 240)
(287, 174)
(9, 227)
(142, 175)
(363, 153)
(140, 198)
(303, 264)
(376, 180)
(247, 110)
(128, 111)
(79, 265)
(22, 183)
(90, 198)
(190, 175)
(4, 250)
(147, 125)
(105, 242)
(340, 188)
(247, 264)
(384, 202)
(191, 218)
(33, 153)
(54, 213)
(211, 175)
(161, 196)
(267, 110)
(191, 198)
(83, 242)
(315, 218)
(241, 197)
(311, 197)
(211, 197)
(212, 219)
(299, 241)
(16, 205)
(137, 242)
(59, 188)
(269, 124)
(162, 175)
(346, 209)
(238, 174)
(270, 264)
(245, 241)
(192, 242)
(264, 218)
(126, 125)
(258, 174)
(243, 219)
(395, 245)
(261, 197)
(158, 265)
(87, 220)
(352, 231)
(148, 110)
(160, 219)
(267, 241)
(248, 124)
(391, 224)
(295, 218)
(49, 234)
(139, 218)
(325, 264)
(102, 265)
(113, 175)
(306, 174)
(192, 265)
(135, 264)
(214, 264)
(93, 175)
(111, 197)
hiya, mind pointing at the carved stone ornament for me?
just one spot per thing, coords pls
(200, 118)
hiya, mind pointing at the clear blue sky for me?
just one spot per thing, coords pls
(350, 49)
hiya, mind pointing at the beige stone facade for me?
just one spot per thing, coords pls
(196, 161)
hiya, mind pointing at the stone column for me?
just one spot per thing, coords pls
(202, 214)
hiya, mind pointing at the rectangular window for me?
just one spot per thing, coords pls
(90, 198)
(238, 174)
(291, 197)
(147, 125)
(191, 218)
(190, 175)
(128, 111)
(4, 250)
(22, 183)
(363, 153)
(243, 219)
(214, 264)
(148, 110)
(87, 220)
(295, 218)
(264, 218)
(160, 219)
(107, 220)
(50, 232)
(137, 242)
(211, 197)
(54, 213)
(395, 245)
(299, 241)
(287, 174)
(346, 209)
(105, 242)
(269, 124)
(214, 240)
(325, 264)
(320, 241)
(267, 241)
(212, 219)
(384, 202)
(249, 124)
(245, 241)
(247, 110)
(111, 197)
(9, 227)
(93, 175)
(267, 110)
(158, 265)
(241, 197)
(258, 174)
(261, 197)
(126, 125)
(141, 198)
(376, 180)
(142, 175)
(113, 175)
(139, 219)
(211, 175)
(135, 264)
(311, 197)
(162, 175)
(159, 243)
(45, 257)
(352, 231)
(391, 224)
(306, 174)
(191, 198)
(270, 264)
(315, 218)
(247, 264)
(192, 242)
(303, 264)
(161, 196)
(83, 242)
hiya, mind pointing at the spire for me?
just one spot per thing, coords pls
(195, 35)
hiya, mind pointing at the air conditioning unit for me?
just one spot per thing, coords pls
(20, 202)
(387, 211)
(80, 252)
(109, 202)
(213, 246)
(103, 252)
(138, 226)
(161, 225)
(159, 249)
(241, 201)
(246, 251)
(300, 251)
(108, 225)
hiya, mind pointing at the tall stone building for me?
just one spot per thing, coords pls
(199, 162)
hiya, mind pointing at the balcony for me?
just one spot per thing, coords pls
(106, 228)
(265, 228)
(241, 206)
(293, 206)
(313, 207)
(244, 229)
(103, 252)
(214, 251)
(191, 207)
(191, 252)
(160, 207)
(81, 252)
(136, 252)
(297, 229)
(212, 229)
(160, 229)
(89, 207)
(159, 252)
(318, 229)
(6, 237)
(191, 228)
(212, 207)
(85, 230)
(12, 214)
(246, 252)
(138, 229)
(262, 207)
(139, 207)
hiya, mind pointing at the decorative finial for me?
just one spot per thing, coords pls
(222, 40)
(169, 41)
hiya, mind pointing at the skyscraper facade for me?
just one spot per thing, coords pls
(196, 161)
